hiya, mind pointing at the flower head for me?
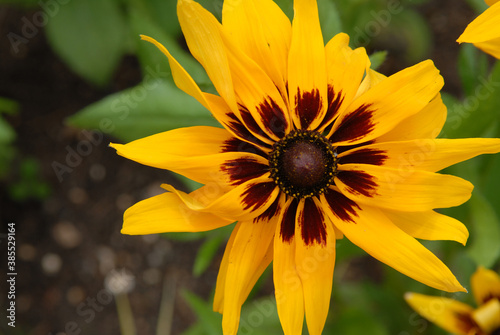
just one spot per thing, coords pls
(484, 31)
(459, 318)
(315, 146)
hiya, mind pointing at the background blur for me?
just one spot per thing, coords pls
(74, 76)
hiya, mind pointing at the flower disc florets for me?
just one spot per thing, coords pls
(303, 164)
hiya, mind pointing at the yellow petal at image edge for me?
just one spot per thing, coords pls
(444, 312)
(484, 28)
(485, 284)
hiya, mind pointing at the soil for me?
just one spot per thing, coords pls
(70, 241)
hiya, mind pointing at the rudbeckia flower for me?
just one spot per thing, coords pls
(462, 319)
(315, 146)
(484, 31)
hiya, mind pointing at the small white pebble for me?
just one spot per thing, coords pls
(119, 281)
(51, 263)
(66, 234)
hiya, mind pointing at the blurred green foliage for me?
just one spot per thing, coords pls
(20, 174)
(7, 135)
(93, 36)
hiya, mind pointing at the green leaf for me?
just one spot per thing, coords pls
(479, 111)
(206, 254)
(210, 320)
(286, 6)
(349, 323)
(165, 14)
(415, 33)
(8, 106)
(90, 37)
(484, 249)
(7, 134)
(377, 59)
(152, 59)
(152, 107)
(479, 6)
(472, 66)
(329, 18)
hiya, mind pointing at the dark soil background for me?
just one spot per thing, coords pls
(69, 242)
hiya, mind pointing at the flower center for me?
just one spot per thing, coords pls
(303, 164)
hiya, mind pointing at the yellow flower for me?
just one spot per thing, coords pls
(315, 146)
(459, 318)
(484, 31)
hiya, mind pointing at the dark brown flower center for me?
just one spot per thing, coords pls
(303, 164)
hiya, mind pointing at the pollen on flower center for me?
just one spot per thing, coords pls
(303, 164)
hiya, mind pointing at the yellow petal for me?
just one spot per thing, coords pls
(490, 2)
(484, 31)
(387, 188)
(263, 32)
(447, 313)
(243, 202)
(306, 67)
(485, 285)
(262, 108)
(422, 154)
(487, 316)
(237, 78)
(167, 213)
(386, 104)
(199, 199)
(491, 47)
(345, 70)
(190, 141)
(231, 121)
(220, 109)
(427, 123)
(181, 78)
(315, 265)
(287, 283)
(202, 32)
(429, 225)
(371, 79)
(193, 152)
(373, 232)
(218, 305)
(249, 256)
